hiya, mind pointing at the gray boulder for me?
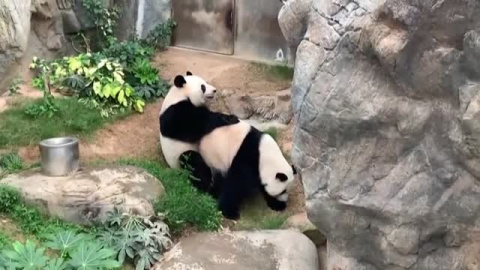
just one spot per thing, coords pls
(387, 112)
(14, 31)
(86, 196)
(266, 107)
(261, 250)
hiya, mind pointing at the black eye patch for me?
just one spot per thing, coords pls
(203, 88)
(282, 177)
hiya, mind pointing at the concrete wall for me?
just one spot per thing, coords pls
(258, 35)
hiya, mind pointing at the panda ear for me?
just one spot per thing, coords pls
(179, 81)
(189, 73)
(282, 177)
(294, 170)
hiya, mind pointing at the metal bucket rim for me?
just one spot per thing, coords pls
(67, 141)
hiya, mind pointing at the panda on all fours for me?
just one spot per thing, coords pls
(246, 160)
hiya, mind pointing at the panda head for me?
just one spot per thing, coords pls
(279, 186)
(276, 173)
(194, 88)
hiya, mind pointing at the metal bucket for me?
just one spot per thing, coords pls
(60, 156)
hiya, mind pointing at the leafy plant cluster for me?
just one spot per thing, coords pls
(116, 77)
(77, 252)
(122, 238)
(141, 240)
(48, 106)
(10, 163)
(15, 86)
(159, 37)
(183, 205)
(105, 18)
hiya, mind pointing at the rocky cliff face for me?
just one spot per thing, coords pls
(386, 99)
(15, 27)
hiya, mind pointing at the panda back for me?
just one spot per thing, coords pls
(219, 147)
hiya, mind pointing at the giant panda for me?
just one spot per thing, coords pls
(184, 120)
(243, 160)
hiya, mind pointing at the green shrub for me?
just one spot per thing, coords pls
(5, 240)
(15, 86)
(83, 255)
(10, 163)
(140, 240)
(105, 18)
(9, 198)
(159, 37)
(182, 204)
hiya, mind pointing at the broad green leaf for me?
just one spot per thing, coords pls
(56, 264)
(116, 90)
(97, 87)
(121, 97)
(27, 256)
(92, 255)
(74, 63)
(90, 71)
(103, 63)
(139, 104)
(65, 241)
(108, 89)
(118, 75)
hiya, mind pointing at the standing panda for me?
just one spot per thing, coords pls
(246, 160)
(184, 120)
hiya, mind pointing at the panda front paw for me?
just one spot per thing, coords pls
(277, 205)
(230, 119)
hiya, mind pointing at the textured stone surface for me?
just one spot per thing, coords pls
(261, 107)
(86, 196)
(14, 31)
(301, 223)
(386, 105)
(260, 250)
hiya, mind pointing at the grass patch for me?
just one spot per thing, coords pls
(5, 240)
(182, 204)
(73, 118)
(272, 132)
(274, 72)
(10, 163)
(256, 215)
(29, 219)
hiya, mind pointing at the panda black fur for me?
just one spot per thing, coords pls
(184, 120)
(245, 160)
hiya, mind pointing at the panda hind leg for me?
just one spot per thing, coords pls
(234, 192)
(200, 173)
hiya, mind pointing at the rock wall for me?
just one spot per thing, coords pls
(15, 28)
(386, 104)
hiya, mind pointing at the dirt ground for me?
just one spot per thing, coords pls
(137, 136)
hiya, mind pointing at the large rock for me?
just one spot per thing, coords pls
(262, 250)
(386, 105)
(301, 223)
(14, 31)
(87, 195)
(276, 106)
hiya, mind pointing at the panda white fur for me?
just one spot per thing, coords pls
(245, 159)
(184, 120)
